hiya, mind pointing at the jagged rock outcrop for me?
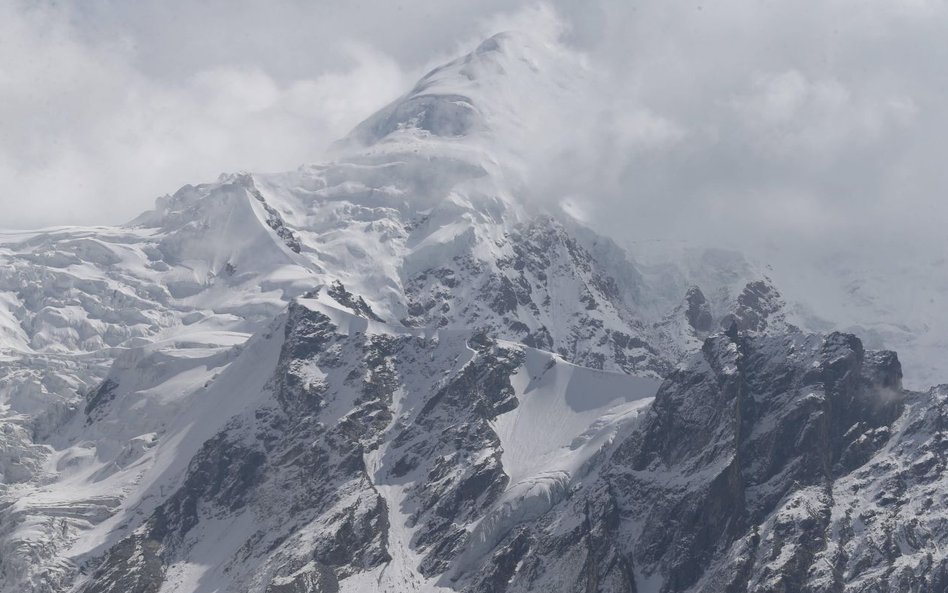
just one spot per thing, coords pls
(547, 291)
(756, 307)
(749, 473)
(367, 455)
(744, 475)
(698, 312)
(767, 462)
(390, 372)
(337, 291)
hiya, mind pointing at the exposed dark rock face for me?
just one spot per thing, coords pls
(698, 312)
(547, 291)
(765, 416)
(264, 463)
(274, 220)
(103, 394)
(766, 463)
(134, 565)
(452, 455)
(756, 304)
(348, 300)
(307, 461)
(749, 474)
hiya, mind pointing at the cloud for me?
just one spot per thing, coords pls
(739, 122)
(726, 122)
(92, 133)
(790, 116)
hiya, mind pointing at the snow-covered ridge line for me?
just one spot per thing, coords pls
(318, 329)
(393, 372)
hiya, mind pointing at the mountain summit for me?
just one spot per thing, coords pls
(394, 372)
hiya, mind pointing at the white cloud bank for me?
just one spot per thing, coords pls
(89, 137)
(814, 120)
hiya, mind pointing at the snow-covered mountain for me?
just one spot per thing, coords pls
(397, 372)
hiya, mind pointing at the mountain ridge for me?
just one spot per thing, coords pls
(392, 372)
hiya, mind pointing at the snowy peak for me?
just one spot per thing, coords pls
(229, 214)
(394, 372)
(489, 90)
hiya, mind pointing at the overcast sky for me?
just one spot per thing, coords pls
(805, 120)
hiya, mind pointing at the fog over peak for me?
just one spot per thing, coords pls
(730, 123)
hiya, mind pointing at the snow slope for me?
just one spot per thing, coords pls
(468, 372)
(133, 449)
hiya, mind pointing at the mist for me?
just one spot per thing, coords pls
(742, 123)
(733, 123)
